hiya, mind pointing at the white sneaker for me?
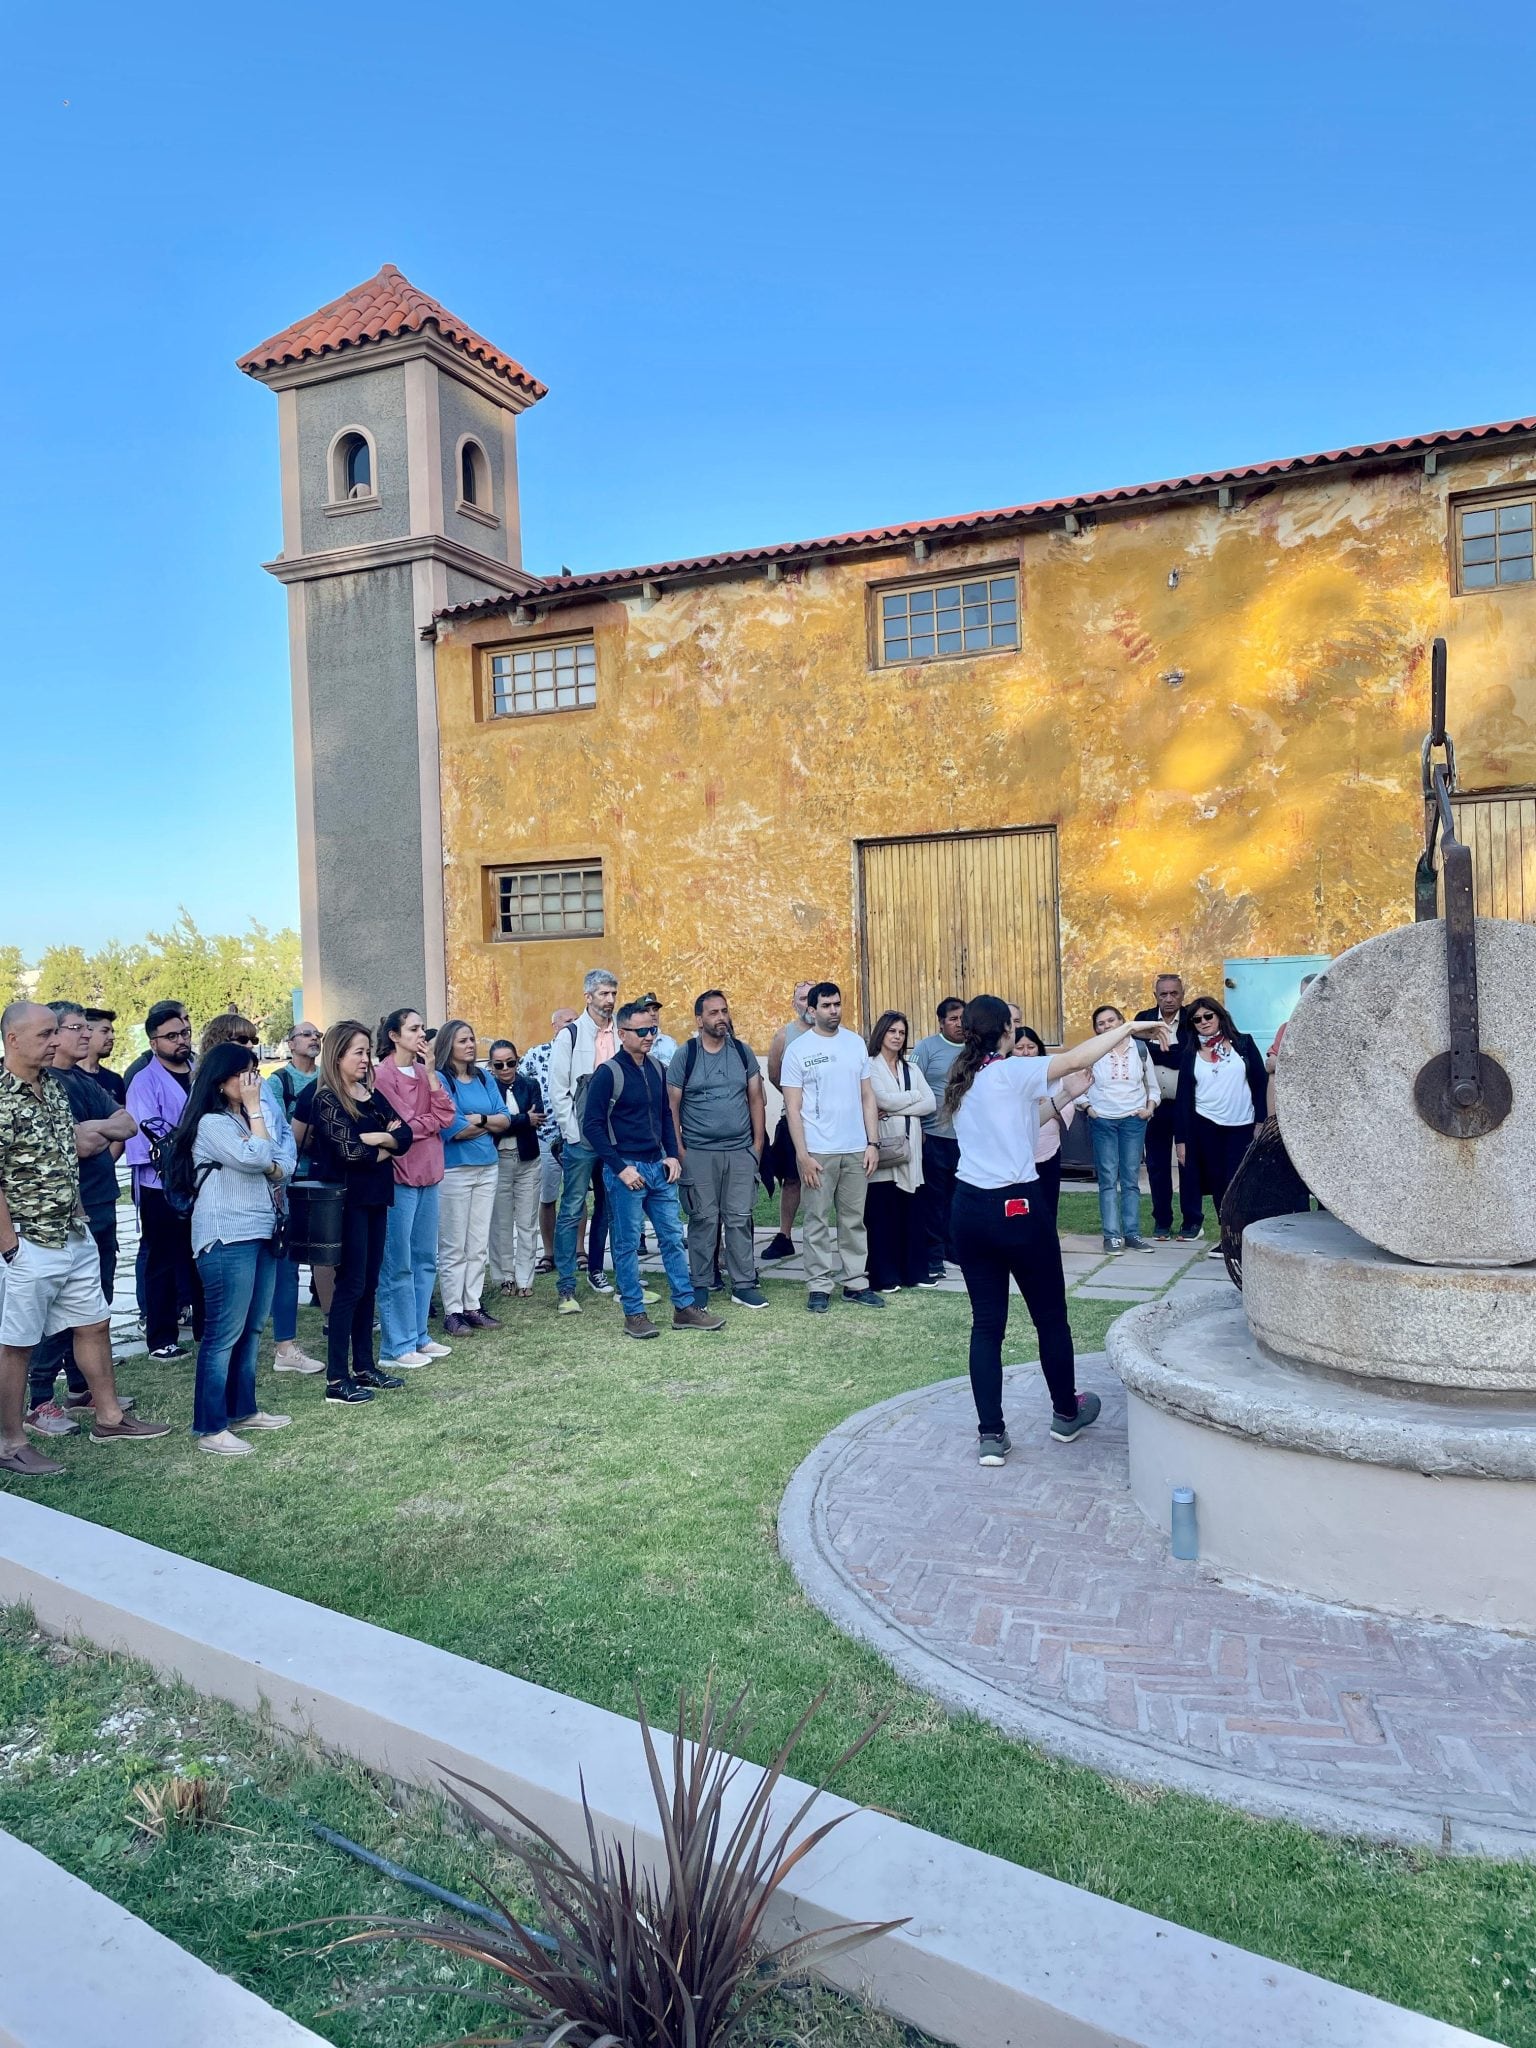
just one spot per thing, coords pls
(290, 1358)
(434, 1350)
(409, 1359)
(223, 1445)
(261, 1420)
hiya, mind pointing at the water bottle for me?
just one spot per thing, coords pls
(1186, 1541)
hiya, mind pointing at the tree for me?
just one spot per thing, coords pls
(253, 972)
(12, 968)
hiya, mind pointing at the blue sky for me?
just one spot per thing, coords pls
(783, 274)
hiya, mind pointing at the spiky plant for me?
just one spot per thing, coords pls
(664, 1957)
(167, 1803)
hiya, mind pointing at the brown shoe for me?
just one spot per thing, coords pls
(28, 1464)
(640, 1326)
(696, 1319)
(129, 1430)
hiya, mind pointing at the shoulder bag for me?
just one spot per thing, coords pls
(895, 1145)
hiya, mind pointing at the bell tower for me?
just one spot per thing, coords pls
(397, 428)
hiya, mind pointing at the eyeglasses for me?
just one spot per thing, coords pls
(643, 1030)
(73, 1024)
(184, 1034)
(294, 1036)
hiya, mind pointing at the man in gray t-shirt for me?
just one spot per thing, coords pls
(717, 1105)
(934, 1056)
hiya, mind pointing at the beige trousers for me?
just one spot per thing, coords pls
(464, 1235)
(515, 1244)
(836, 1251)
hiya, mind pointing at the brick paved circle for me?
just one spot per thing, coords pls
(1038, 1597)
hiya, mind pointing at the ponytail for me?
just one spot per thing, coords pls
(986, 1021)
(384, 1045)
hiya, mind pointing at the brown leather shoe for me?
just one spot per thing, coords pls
(29, 1464)
(640, 1326)
(129, 1430)
(696, 1319)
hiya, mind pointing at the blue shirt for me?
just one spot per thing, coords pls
(478, 1096)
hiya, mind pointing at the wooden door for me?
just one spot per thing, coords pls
(1501, 831)
(964, 914)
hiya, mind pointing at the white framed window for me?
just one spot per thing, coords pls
(564, 902)
(549, 675)
(354, 468)
(474, 479)
(1493, 542)
(939, 619)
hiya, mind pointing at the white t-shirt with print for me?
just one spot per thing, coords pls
(830, 1072)
(997, 1121)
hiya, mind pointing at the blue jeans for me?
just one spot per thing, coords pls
(237, 1299)
(627, 1211)
(410, 1267)
(1118, 1143)
(285, 1302)
(578, 1165)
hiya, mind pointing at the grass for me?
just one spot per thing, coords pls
(598, 1516)
(83, 1728)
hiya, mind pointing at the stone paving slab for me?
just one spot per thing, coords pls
(1039, 1597)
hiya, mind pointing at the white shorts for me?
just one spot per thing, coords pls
(43, 1291)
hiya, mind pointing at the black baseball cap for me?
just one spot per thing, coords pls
(100, 1016)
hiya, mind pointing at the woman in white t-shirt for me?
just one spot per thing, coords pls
(1120, 1101)
(1001, 1226)
(1222, 1086)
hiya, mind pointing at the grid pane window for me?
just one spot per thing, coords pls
(549, 903)
(949, 618)
(558, 677)
(1496, 545)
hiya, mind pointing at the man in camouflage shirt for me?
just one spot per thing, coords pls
(51, 1269)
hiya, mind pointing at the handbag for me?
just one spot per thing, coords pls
(895, 1149)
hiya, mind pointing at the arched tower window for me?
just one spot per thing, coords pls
(354, 474)
(474, 475)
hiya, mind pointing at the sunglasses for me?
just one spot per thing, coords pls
(504, 1066)
(245, 1041)
(643, 1030)
(1205, 1016)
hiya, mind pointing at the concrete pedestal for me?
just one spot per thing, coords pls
(1318, 1294)
(1407, 1504)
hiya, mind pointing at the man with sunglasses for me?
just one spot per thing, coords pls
(157, 1095)
(627, 1123)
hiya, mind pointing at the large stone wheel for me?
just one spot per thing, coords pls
(1344, 1091)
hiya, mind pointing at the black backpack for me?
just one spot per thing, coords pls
(691, 1059)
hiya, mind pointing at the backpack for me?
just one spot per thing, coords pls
(615, 1067)
(691, 1059)
(160, 1136)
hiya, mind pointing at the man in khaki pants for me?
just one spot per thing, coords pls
(833, 1120)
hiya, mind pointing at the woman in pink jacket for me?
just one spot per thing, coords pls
(404, 1076)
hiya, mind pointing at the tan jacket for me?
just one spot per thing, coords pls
(905, 1104)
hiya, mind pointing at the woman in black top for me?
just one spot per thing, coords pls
(356, 1139)
(514, 1247)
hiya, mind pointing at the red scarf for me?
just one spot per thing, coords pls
(1212, 1047)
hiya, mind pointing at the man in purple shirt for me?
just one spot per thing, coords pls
(157, 1095)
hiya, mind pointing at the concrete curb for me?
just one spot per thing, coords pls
(811, 1556)
(77, 1970)
(992, 1955)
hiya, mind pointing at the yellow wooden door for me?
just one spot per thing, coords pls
(964, 914)
(1501, 831)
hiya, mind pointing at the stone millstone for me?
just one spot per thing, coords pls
(1344, 1092)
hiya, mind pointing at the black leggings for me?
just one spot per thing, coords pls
(991, 1246)
(1219, 1150)
(357, 1283)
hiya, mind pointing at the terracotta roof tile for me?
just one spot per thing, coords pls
(966, 523)
(386, 306)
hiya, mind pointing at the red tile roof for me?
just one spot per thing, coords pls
(1008, 515)
(386, 306)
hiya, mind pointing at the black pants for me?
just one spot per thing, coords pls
(898, 1245)
(357, 1284)
(170, 1277)
(597, 1227)
(935, 1197)
(991, 1246)
(1159, 1155)
(47, 1357)
(1048, 1181)
(1218, 1150)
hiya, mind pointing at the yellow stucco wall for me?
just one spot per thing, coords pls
(742, 742)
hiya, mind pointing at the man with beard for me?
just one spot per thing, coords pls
(157, 1095)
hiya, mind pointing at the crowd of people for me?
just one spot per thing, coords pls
(460, 1179)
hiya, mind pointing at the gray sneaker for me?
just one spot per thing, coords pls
(1065, 1427)
(993, 1449)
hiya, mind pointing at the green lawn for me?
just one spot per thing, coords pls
(85, 1728)
(598, 1515)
